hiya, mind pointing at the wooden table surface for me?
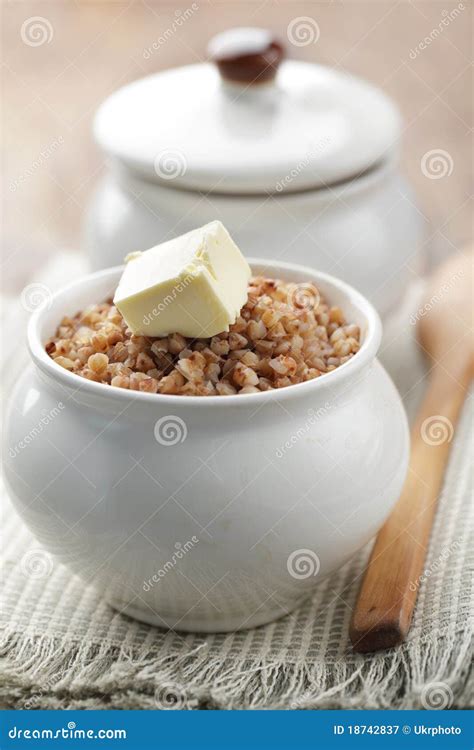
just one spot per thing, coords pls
(51, 91)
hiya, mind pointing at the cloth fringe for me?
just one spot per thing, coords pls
(37, 674)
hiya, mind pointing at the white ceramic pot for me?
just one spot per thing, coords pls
(365, 231)
(303, 168)
(205, 513)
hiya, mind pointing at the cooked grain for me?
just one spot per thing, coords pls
(285, 334)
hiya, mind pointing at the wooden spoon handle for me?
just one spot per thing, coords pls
(388, 594)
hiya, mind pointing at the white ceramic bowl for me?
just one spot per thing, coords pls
(205, 513)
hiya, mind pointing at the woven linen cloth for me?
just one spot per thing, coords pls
(62, 647)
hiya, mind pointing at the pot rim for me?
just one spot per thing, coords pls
(340, 376)
(127, 177)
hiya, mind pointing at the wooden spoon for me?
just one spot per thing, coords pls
(387, 597)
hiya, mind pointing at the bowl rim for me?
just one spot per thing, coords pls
(344, 372)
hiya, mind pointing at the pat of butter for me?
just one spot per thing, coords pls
(194, 285)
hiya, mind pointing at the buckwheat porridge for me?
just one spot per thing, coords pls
(286, 333)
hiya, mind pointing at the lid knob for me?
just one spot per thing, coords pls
(246, 55)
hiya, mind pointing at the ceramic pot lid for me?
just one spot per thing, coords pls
(248, 122)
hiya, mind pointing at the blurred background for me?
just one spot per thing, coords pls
(51, 91)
